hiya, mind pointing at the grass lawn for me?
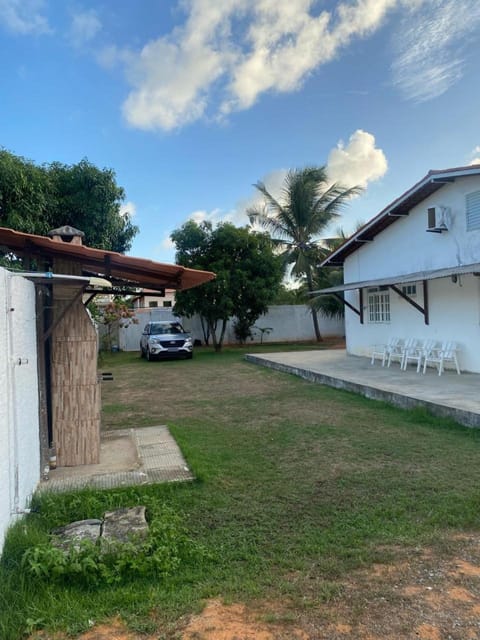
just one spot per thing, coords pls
(298, 486)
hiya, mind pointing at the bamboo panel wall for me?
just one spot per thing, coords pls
(74, 383)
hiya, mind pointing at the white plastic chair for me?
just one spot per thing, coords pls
(409, 348)
(383, 350)
(447, 353)
(418, 354)
(397, 352)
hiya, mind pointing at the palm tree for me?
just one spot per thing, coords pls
(307, 206)
(323, 277)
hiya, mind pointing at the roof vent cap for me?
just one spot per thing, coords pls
(67, 234)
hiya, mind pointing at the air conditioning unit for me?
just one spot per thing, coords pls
(439, 219)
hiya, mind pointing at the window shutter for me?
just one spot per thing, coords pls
(432, 218)
(473, 210)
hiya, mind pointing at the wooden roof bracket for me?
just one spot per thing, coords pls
(359, 312)
(423, 310)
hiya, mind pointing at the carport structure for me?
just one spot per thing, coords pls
(61, 267)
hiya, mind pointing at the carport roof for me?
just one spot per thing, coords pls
(119, 269)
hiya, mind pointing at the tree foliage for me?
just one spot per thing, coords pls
(116, 314)
(36, 199)
(248, 274)
(308, 204)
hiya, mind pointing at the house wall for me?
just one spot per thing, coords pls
(406, 247)
(290, 323)
(19, 426)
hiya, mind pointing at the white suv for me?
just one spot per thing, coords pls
(165, 339)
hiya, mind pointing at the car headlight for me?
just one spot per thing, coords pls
(188, 342)
(155, 340)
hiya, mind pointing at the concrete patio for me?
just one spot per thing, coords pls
(127, 457)
(449, 395)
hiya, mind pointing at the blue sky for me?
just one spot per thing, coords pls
(193, 101)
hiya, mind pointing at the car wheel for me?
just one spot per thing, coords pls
(142, 353)
(149, 355)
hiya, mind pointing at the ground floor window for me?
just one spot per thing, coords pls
(378, 305)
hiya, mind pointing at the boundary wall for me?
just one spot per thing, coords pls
(287, 323)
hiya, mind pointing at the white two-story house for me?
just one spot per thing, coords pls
(414, 269)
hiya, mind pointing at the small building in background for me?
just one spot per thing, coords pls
(151, 299)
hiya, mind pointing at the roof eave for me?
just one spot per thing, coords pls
(435, 180)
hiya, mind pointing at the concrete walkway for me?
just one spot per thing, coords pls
(127, 457)
(449, 395)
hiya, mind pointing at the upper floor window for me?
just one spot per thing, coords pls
(410, 290)
(378, 305)
(473, 210)
(153, 303)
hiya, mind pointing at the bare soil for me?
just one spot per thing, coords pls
(424, 594)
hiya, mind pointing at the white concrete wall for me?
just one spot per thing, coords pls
(406, 247)
(290, 323)
(19, 426)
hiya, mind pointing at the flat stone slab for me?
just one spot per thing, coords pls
(75, 532)
(117, 526)
(120, 525)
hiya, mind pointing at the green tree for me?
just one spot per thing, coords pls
(247, 272)
(25, 195)
(287, 295)
(35, 199)
(308, 205)
(323, 277)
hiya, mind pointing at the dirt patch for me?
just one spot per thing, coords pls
(235, 622)
(424, 595)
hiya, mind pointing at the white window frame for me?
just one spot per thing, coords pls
(409, 290)
(378, 306)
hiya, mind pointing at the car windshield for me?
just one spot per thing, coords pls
(159, 328)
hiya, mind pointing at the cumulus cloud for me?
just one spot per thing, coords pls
(84, 27)
(431, 46)
(24, 17)
(358, 162)
(475, 155)
(223, 56)
(167, 243)
(128, 209)
(229, 53)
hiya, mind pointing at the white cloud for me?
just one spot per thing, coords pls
(475, 155)
(200, 69)
(225, 55)
(128, 208)
(167, 243)
(216, 216)
(24, 17)
(357, 163)
(431, 46)
(84, 27)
